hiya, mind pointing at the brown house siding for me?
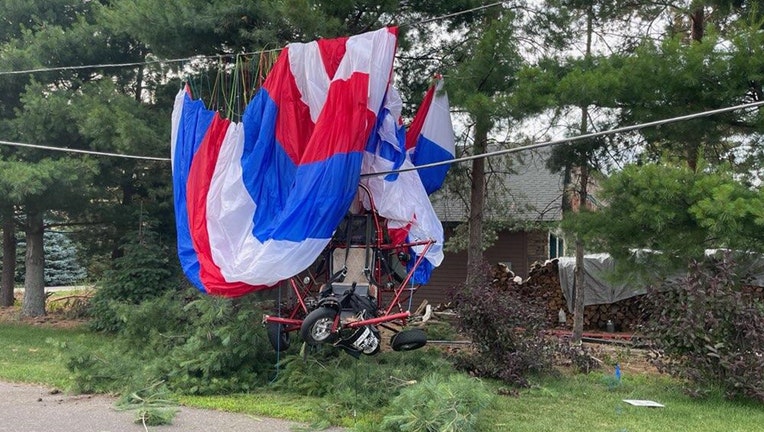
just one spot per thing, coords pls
(520, 249)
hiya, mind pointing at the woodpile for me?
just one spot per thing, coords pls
(543, 284)
(754, 291)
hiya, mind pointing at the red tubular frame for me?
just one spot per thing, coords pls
(292, 323)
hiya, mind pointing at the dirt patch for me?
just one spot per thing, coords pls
(61, 313)
(633, 360)
(51, 319)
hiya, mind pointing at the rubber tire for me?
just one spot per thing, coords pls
(278, 338)
(408, 340)
(376, 351)
(323, 317)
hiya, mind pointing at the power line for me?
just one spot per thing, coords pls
(569, 140)
(92, 66)
(451, 15)
(217, 56)
(132, 64)
(89, 152)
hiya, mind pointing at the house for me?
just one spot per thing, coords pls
(534, 197)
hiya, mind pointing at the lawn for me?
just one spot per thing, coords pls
(594, 403)
(572, 402)
(30, 353)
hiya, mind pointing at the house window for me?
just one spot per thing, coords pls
(556, 246)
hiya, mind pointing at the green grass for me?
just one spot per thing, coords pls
(589, 403)
(592, 403)
(265, 403)
(29, 353)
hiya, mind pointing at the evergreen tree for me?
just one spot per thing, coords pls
(100, 109)
(682, 60)
(62, 266)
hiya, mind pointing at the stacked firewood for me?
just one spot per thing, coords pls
(543, 284)
(754, 291)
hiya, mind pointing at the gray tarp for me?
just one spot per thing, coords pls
(599, 290)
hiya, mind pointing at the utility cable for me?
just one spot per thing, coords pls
(569, 140)
(133, 64)
(451, 15)
(217, 56)
(89, 152)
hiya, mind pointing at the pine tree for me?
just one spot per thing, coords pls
(62, 266)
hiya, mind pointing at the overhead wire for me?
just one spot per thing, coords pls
(183, 61)
(453, 14)
(131, 64)
(569, 140)
(430, 165)
(88, 152)
(218, 56)
(566, 140)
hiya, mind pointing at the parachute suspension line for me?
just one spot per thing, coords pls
(232, 107)
(246, 80)
(278, 342)
(212, 87)
(261, 69)
(241, 95)
(215, 89)
(197, 84)
(224, 87)
(183, 76)
(266, 61)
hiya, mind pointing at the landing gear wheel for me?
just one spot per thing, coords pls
(278, 338)
(317, 326)
(375, 350)
(408, 340)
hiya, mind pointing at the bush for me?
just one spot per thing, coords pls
(107, 370)
(348, 385)
(194, 343)
(439, 403)
(506, 331)
(706, 329)
(142, 273)
(224, 350)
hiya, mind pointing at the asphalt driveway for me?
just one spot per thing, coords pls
(30, 408)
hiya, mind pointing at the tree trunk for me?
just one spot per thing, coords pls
(697, 30)
(579, 280)
(477, 201)
(34, 279)
(9, 257)
(578, 293)
(697, 18)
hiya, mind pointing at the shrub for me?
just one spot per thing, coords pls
(194, 343)
(106, 370)
(439, 403)
(142, 273)
(706, 329)
(225, 348)
(506, 331)
(348, 385)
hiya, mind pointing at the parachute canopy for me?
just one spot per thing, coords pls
(257, 201)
